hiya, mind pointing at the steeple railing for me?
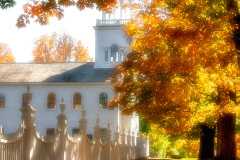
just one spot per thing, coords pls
(111, 22)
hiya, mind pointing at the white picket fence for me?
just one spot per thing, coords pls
(28, 144)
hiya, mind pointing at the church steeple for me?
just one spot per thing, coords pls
(122, 10)
(110, 44)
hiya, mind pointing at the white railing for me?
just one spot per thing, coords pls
(28, 144)
(111, 22)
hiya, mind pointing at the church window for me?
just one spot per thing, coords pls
(114, 52)
(2, 101)
(106, 55)
(103, 100)
(77, 101)
(51, 103)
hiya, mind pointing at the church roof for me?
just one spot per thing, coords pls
(53, 73)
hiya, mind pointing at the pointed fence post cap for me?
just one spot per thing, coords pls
(62, 106)
(27, 97)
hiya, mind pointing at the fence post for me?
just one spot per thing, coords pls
(141, 146)
(83, 130)
(137, 148)
(97, 129)
(133, 153)
(62, 128)
(147, 146)
(116, 154)
(28, 120)
(97, 146)
(116, 136)
(108, 135)
(123, 151)
(129, 145)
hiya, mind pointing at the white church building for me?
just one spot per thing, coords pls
(79, 84)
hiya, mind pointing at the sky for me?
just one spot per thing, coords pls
(79, 24)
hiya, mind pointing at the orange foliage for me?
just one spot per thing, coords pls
(44, 49)
(6, 55)
(181, 68)
(80, 53)
(64, 45)
(41, 11)
(59, 48)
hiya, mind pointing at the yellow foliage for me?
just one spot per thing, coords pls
(6, 55)
(59, 48)
(183, 66)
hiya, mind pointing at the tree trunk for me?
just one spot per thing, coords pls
(226, 146)
(206, 142)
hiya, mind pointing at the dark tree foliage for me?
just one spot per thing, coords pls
(4, 4)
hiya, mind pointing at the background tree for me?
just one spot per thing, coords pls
(44, 49)
(41, 11)
(59, 48)
(159, 142)
(64, 47)
(183, 67)
(80, 53)
(164, 145)
(6, 55)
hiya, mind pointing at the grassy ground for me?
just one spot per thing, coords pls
(169, 159)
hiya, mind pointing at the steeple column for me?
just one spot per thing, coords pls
(121, 8)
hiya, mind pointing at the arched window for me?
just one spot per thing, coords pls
(114, 53)
(51, 102)
(2, 100)
(103, 101)
(77, 100)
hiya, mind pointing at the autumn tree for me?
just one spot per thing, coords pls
(44, 49)
(64, 47)
(6, 55)
(183, 67)
(59, 48)
(42, 10)
(80, 53)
